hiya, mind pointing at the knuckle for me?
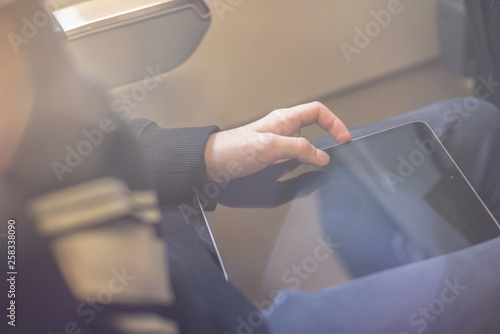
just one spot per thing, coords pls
(263, 148)
(317, 105)
(277, 112)
(303, 144)
(265, 140)
(277, 120)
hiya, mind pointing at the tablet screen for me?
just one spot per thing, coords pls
(384, 200)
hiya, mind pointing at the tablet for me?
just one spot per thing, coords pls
(385, 200)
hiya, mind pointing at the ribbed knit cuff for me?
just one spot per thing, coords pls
(175, 158)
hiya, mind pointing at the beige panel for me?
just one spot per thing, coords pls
(268, 54)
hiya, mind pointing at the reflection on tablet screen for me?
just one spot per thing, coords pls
(384, 200)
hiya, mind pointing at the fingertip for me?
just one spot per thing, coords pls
(345, 137)
(322, 157)
(339, 131)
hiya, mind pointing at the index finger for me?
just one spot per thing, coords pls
(318, 113)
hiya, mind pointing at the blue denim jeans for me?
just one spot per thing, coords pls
(454, 293)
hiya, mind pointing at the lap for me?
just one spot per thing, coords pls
(455, 293)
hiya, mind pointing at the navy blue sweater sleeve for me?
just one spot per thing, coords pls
(174, 157)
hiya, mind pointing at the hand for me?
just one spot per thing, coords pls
(275, 137)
